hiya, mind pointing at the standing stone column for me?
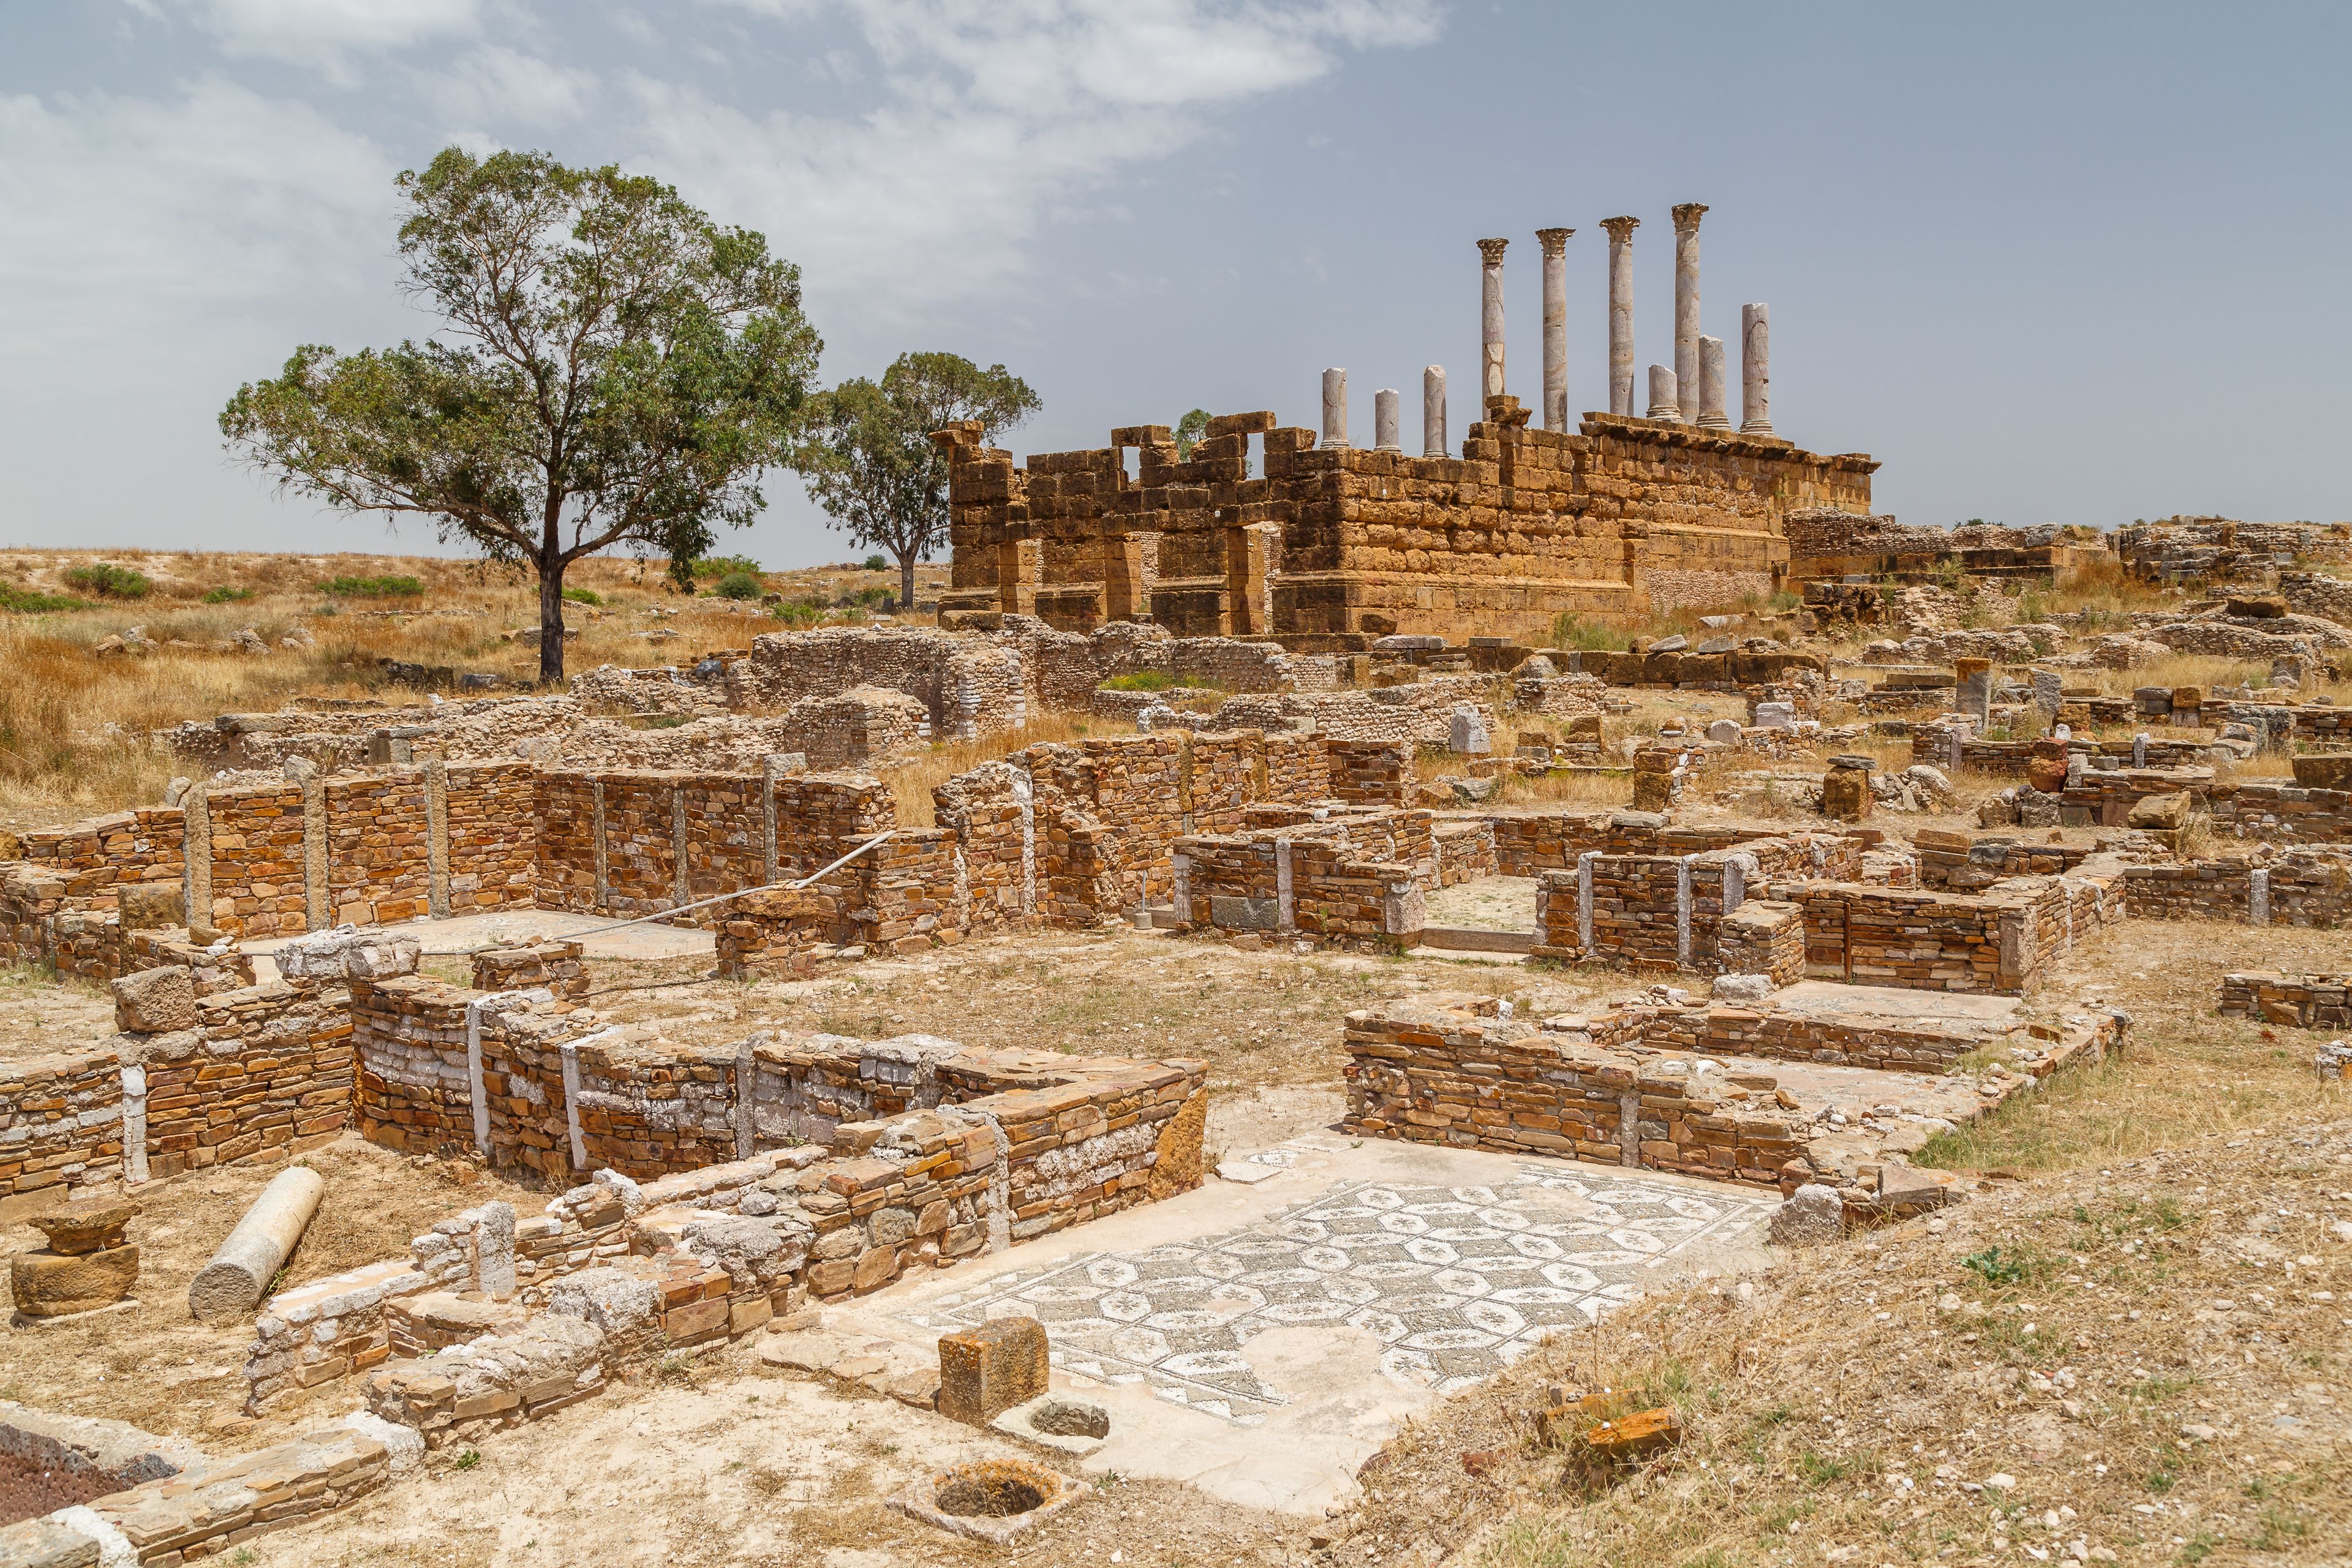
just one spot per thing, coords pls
(1756, 370)
(1686, 373)
(1433, 411)
(1621, 313)
(1384, 420)
(1335, 408)
(1711, 389)
(1555, 326)
(1490, 323)
(1662, 404)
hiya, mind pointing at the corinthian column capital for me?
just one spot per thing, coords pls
(1686, 216)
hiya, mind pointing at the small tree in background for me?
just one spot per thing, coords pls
(872, 466)
(625, 368)
(1189, 431)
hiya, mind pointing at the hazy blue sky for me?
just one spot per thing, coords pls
(2047, 262)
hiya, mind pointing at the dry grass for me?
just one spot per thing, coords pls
(2064, 1334)
(913, 779)
(1835, 1412)
(76, 729)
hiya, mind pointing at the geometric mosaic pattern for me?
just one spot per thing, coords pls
(1454, 1282)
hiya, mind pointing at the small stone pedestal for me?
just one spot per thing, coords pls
(1845, 788)
(986, 1371)
(88, 1266)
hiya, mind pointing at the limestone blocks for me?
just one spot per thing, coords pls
(88, 1266)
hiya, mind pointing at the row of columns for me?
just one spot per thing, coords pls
(1692, 393)
(1388, 416)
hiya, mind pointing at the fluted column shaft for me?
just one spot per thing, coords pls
(1687, 370)
(1621, 312)
(1555, 326)
(1756, 370)
(1490, 321)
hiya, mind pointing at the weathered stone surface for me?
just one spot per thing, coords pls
(1071, 1418)
(2160, 811)
(155, 1000)
(991, 1368)
(51, 1284)
(1813, 1213)
(150, 906)
(2325, 770)
(86, 1225)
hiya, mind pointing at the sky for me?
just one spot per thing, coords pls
(2073, 263)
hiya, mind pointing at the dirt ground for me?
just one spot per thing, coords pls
(39, 1015)
(160, 1369)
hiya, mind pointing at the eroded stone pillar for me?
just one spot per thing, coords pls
(1686, 374)
(1384, 420)
(1756, 370)
(1555, 326)
(1621, 313)
(1662, 404)
(1433, 411)
(1335, 408)
(1711, 389)
(1490, 321)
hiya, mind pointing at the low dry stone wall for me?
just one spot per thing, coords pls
(2299, 1001)
(2300, 888)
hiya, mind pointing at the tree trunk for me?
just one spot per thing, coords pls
(550, 589)
(550, 619)
(907, 582)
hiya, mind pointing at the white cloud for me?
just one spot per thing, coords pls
(991, 115)
(134, 216)
(324, 33)
(495, 85)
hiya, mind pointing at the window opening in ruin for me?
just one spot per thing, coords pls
(1126, 475)
(1254, 456)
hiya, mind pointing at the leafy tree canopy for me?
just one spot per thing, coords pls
(618, 371)
(1189, 433)
(873, 467)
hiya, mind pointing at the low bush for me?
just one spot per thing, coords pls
(32, 602)
(876, 563)
(1144, 680)
(583, 595)
(227, 596)
(372, 587)
(801, 612)
(108, 581)
(740, 585)
(724, 565)
(1594, 636)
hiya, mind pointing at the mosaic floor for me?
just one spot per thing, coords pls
(1453, 1281)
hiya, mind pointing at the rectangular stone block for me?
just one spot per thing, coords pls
(988, 1370)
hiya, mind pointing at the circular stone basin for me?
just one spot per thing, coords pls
(988, 1499)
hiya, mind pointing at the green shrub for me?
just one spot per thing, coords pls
(31, 602)
(1569, 631)
(108, 581)
(740, 586)
(873, 597)
(227, 596)
(372, 587)
(724, 565)
(1141, 680)
(583, 595)
(801, 612)
(878, 563)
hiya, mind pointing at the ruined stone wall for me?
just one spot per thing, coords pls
(2298, 1000)
(2001, 941)
(1525, 525)
(2300, 888)
(565, 864)
(257, 869)
(90, 858)
(1419, 713)
(265, 1071)
(60, 1127)
(376, 832)
(1435, 1074)
(2280, 812)
(965, 686)
(493, 836)
(1297, 768)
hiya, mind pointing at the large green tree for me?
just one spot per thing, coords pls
(618, 371)
(872, 465)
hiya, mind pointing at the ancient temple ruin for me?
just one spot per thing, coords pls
(1269, 531)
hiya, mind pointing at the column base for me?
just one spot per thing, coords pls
(1670, 412)
(1757, 428)
(1713, 422)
